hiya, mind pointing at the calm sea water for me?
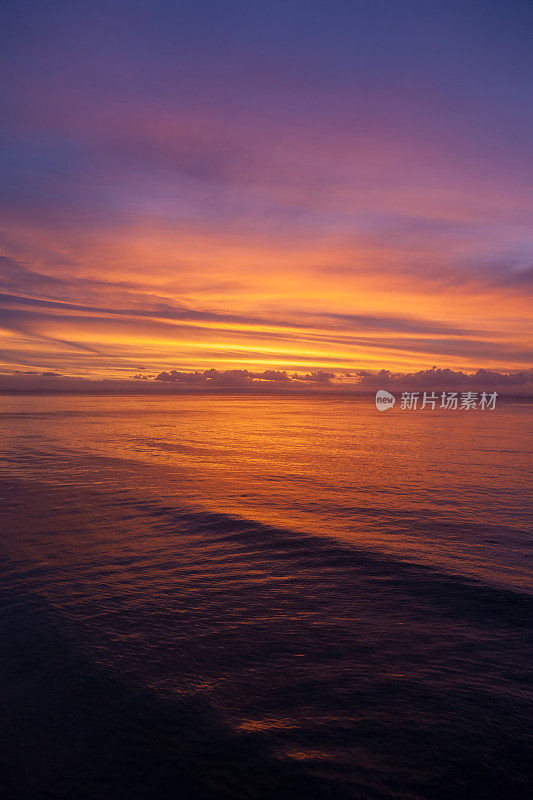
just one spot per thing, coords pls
(264, 597)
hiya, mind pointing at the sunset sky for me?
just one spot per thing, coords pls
(286, 185)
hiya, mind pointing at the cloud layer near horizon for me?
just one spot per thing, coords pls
(277, 381)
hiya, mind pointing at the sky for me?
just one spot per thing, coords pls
(334, 187)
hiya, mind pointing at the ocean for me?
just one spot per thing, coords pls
(266, 597)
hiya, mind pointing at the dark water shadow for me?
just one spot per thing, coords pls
(71, 729)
